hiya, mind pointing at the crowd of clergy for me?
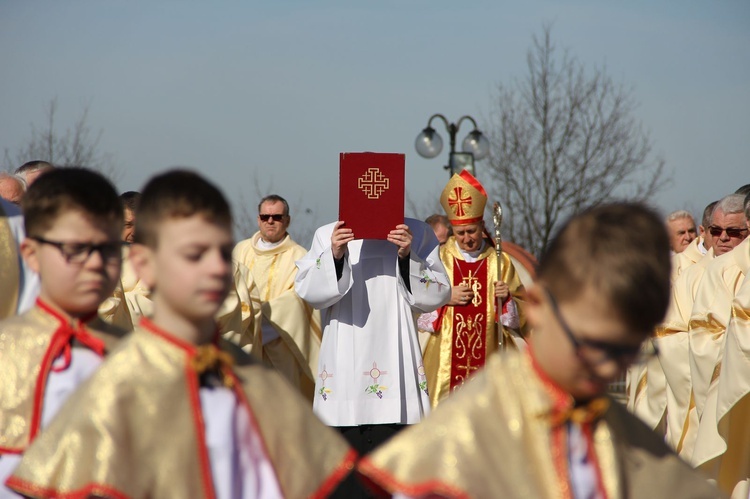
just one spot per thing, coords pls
(422, 365)
(696, 393)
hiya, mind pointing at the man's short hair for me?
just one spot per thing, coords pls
(178, 194)
(622, 251)
(747, 206)
(678, 214)
(274, 198)
(731, 204)
(744, 190)
(436, 219)
(130, 200)
(32, 166)
(708, 212)
(69, 189)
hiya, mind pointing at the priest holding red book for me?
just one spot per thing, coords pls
(369, 288)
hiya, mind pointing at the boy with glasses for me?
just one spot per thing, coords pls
(73, 220)
(539, 424)
(175, 411)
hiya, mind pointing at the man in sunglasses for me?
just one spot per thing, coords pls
(290, 328)
(709, 318)
(681, 418)
(659, 391)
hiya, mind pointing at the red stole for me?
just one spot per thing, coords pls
(471, 322)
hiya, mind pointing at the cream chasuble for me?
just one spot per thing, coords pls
(731, 466)
(142, 430)
(689, 256)
(238, 319)
(467, 335)
(294, 353)
(674, 357)
(708, 322)
(497, 437)
(114, 309)
(370, 369)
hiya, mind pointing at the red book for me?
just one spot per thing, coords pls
(371, 193)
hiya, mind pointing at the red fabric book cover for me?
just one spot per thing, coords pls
(371, 192)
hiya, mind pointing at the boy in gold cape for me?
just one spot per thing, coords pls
(538, 424)
(73, 219)
(177, 412)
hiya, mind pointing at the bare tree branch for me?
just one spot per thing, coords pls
(565, 138)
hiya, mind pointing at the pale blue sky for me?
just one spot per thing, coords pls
(278, 89)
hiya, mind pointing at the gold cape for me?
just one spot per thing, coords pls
(494, 438)
(295, 353)
(9, 268)
(135, 429)
(438, 353)
(26, 358)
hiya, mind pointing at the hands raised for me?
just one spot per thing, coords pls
(401, 237)
(339, 239)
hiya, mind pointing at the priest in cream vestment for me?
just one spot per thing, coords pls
(290, 328)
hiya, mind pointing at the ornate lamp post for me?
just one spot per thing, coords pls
(475, 146)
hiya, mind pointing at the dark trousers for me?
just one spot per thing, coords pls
(363, 439)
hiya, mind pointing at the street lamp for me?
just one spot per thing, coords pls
(475, 146)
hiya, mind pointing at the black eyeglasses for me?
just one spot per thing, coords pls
(733, 232)
(276, 217)
(78, 253)
(598, 352)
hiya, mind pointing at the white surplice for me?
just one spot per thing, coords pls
(370, 367)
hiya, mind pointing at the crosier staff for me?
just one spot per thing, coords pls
(497, 217)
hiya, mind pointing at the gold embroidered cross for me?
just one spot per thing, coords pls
(373, 183)
(457, 201)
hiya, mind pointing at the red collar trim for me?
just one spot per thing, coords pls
(48, 308)
(561, 399)
(190, 348)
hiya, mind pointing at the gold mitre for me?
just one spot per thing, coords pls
(463, 199)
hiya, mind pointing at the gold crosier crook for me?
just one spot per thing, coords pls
(497, 217)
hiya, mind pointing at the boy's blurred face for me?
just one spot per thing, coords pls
(190, 270)
(76, 287)
(606, 346)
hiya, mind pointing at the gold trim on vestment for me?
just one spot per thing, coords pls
(641, 387)
(10, 273)
(740, 313)
(686, 424)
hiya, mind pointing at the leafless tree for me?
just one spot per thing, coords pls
(565, 138)
(76, 146)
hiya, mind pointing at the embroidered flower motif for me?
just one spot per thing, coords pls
(324, 391)
(422, 378)
(426, 279)
(375, 388)
(317, 263)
